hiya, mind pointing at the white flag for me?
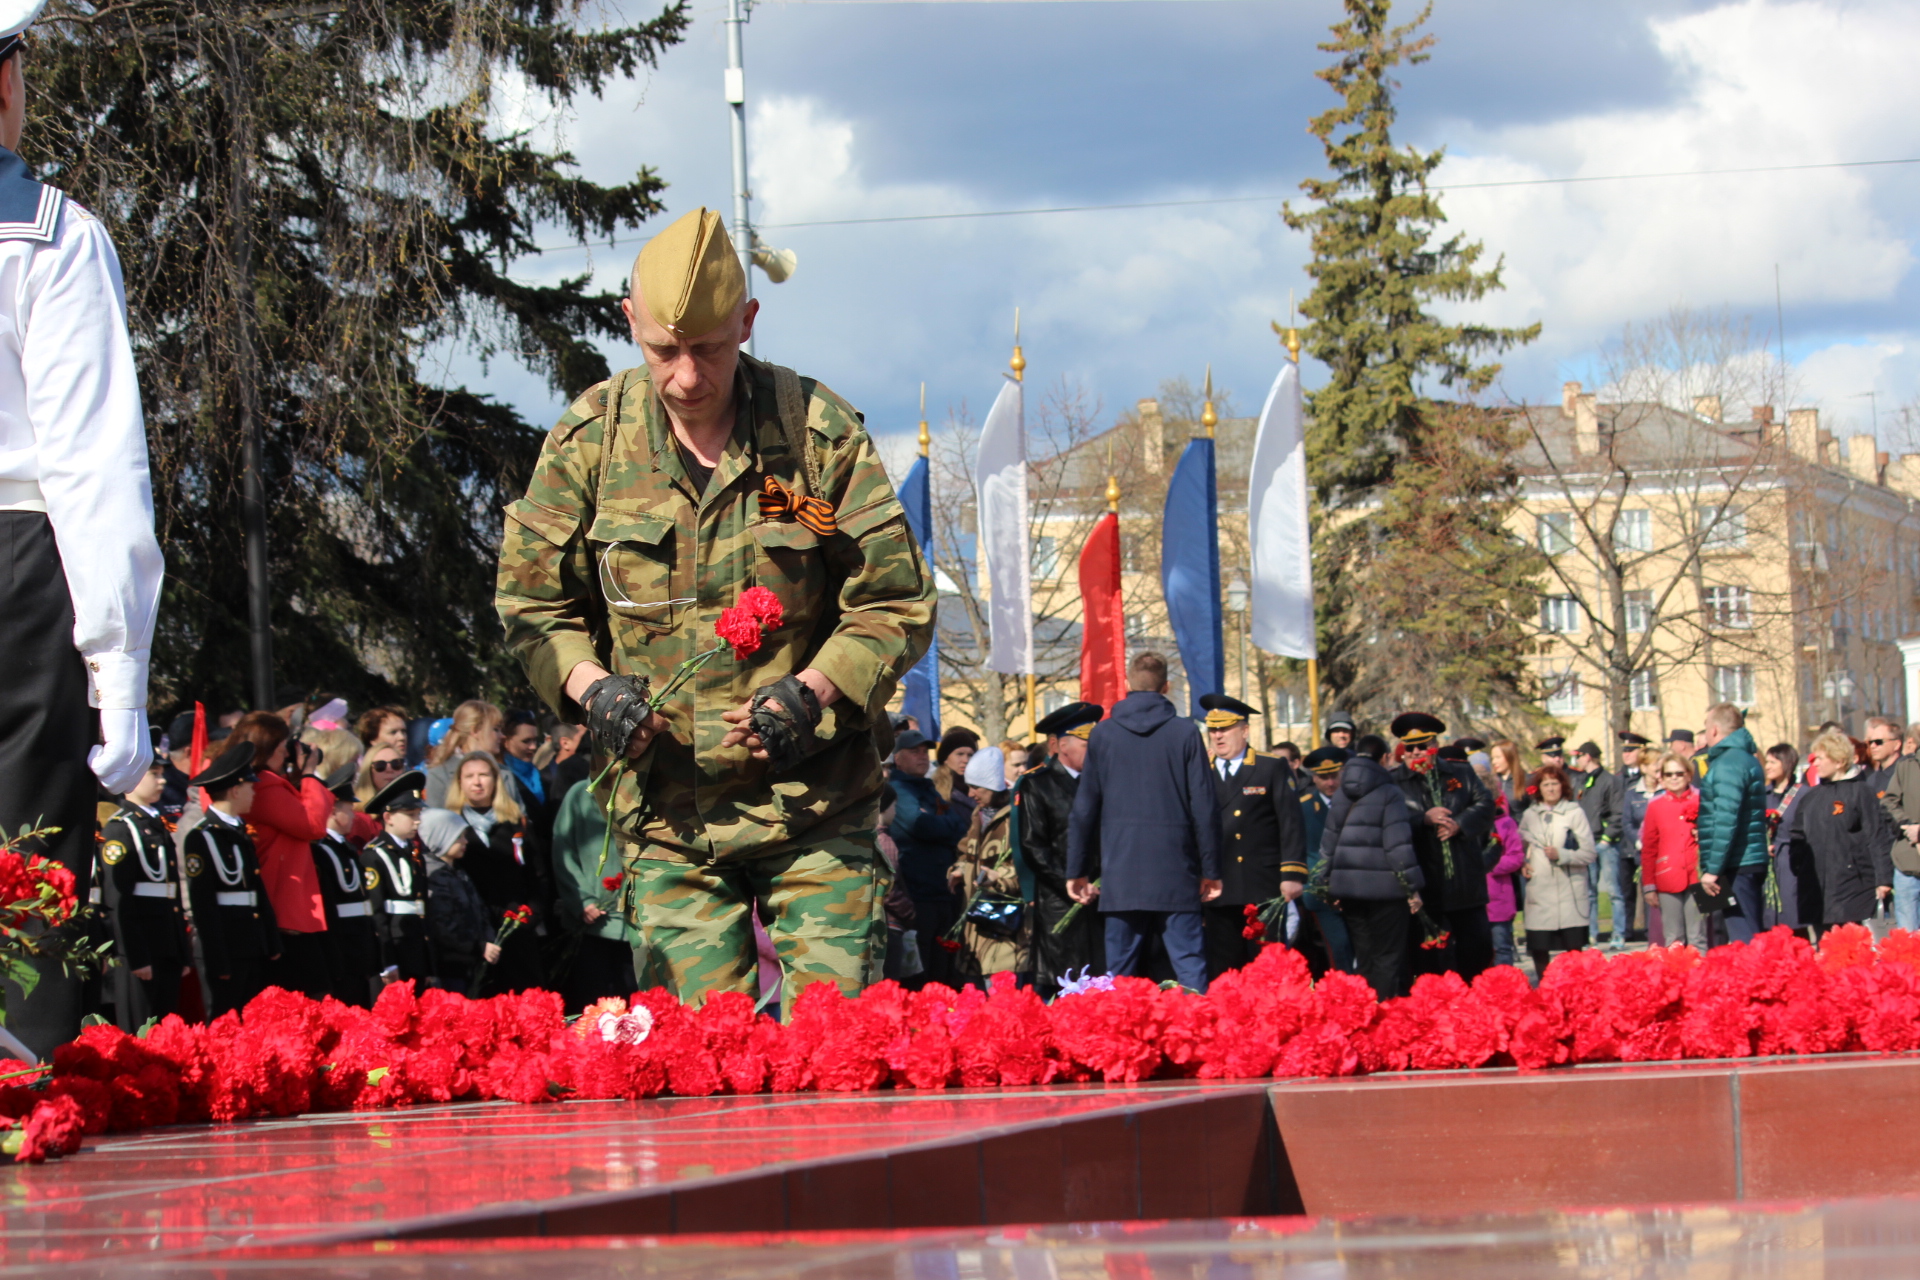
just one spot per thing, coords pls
(1000, 489)
(1282, 606)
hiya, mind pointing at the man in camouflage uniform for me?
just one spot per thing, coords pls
(663, 494)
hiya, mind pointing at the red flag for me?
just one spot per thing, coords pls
(199, 760)
(1103, 629)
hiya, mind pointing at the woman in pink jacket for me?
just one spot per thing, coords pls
(1670, 854)
(1501, 904)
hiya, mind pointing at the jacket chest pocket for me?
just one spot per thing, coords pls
(791, 563)
(634, 556)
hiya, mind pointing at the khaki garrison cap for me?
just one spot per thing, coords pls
(689, 275)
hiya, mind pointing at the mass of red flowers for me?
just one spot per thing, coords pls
(33, 887)
(285, 1054)
(758, 612)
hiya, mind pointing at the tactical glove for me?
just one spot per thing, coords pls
(782, 716)
(615, 707)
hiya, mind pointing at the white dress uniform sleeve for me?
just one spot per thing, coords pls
(91, 441)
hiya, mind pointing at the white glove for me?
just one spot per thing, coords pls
(123, 761)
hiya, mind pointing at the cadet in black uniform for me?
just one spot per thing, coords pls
(142, 892)
(1263, 842)
(1453, 815)
(395, 876)
(352, 952)
(231, 913)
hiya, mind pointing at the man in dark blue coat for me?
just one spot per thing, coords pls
(1147, 813)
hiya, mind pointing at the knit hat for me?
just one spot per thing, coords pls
(440, 829)
(988, 769)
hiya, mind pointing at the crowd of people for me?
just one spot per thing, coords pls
(331, 858)
(469, 852)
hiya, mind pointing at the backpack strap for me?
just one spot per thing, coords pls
(792, 407)
(609, 438)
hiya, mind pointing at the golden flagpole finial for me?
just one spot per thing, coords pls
(1019, 362)
(1208, 418)
(925, 438)
(1292, 338)
(1113, 485)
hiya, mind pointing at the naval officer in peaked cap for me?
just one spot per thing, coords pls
(81, 580)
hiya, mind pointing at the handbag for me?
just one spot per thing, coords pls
(1711, 902)
(996, 915)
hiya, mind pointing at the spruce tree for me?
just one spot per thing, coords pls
(313, 205)
(1386, 485)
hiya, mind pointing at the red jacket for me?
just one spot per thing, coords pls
(285, 824)
(1669, 843)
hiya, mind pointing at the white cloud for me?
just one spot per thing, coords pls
(1758, 83)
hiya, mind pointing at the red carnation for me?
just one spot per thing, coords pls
(610, 882)
(763, 605)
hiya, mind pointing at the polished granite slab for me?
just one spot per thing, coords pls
(1846, 1240)
(766, 1162)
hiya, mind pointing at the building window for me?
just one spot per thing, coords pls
(1644, 691)
(1556, 532)
(1046, 559)
(1564, 694)
(1137, 625)
(1560, 614)
(1729, 607)
(1733, 684)
(1639, 610)
(1633, 531)
(1722, 529)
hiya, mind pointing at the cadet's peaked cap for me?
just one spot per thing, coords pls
(1633, 739)
(340, 782)
(1417, 727)
(1680, 735)
(689, 275)
(401, 794)
(235, 764)
(1452, 751)
(1224, 712)
(16, 16)
(1080, 716)
(1326, 760)
(1553, 746)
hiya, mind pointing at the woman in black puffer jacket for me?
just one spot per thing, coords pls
(1372, 874)
(1842, 842)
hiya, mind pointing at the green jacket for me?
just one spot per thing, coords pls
(1733, 808)
(614, 557)
(579, 833)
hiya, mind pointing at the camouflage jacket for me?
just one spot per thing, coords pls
(621, 562)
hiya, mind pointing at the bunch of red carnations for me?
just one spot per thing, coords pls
(285, 1054)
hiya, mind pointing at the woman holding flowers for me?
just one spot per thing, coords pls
(1559, 847)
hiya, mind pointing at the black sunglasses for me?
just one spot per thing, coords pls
(1880, 742)
(386, 766)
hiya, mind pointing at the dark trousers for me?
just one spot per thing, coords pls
(304, 964)
(1181, 932)
(162, 989)
(1228, 947)
(1469, 950)
(602, 967)
(1542, 943)
(352, 961)
(1749, 897)
(46, 729)
(933, 917)
(247, 980)
(1381, 932)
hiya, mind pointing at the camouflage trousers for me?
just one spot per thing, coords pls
(696, 927)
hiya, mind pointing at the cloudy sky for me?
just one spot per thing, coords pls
(908, 108)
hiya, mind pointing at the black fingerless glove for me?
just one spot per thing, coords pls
(615, 707)
(782, 716)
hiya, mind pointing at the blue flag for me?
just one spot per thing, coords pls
(1190, 571)
(921, 688)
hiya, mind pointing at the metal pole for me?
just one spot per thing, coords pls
(738, 12)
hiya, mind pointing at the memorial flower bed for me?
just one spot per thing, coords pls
(285, 1054)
